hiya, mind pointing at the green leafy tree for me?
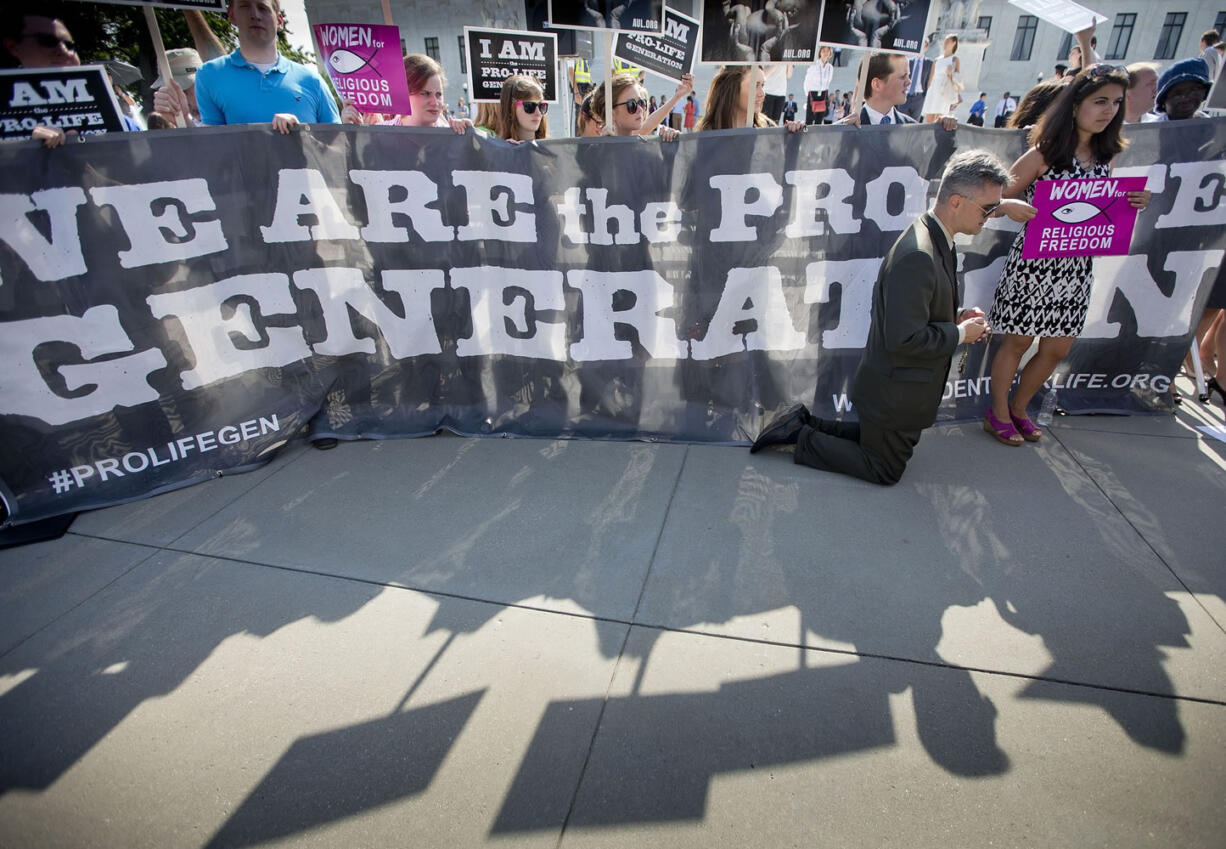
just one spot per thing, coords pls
(106, 31)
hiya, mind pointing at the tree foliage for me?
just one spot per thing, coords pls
(106, 31)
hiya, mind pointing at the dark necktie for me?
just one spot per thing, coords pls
(952, 265)
(886, 120)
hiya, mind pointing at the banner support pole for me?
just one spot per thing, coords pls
(608, 80)
(159, 50)
(857, 99)
(752, 101)
(387, 13)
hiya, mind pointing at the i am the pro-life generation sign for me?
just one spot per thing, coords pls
(670, 54)
(495, 54)
(1082, 217)
(74, 99)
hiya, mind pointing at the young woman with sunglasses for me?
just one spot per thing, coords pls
(521, 110)
(1076, 138)
(630, 116)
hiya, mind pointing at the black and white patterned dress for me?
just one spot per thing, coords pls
(1044, 297)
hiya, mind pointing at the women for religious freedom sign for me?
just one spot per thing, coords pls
(366, 66)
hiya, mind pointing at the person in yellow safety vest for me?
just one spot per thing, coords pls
(620, 66)
(580, 79)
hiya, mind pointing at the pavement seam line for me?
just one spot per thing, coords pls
(242, 494)
(651, 563)
(1193, 595)
(621, 652)
(88, 598)
(591, 744)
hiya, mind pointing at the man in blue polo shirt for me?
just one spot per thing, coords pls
(255, 83)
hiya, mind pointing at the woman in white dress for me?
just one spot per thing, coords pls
(944, 84)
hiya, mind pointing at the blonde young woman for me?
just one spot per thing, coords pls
(630, 116)
(944, 83)
(520, 116)
(486, 115)
(733, 89)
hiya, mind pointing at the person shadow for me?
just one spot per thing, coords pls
(140, 639)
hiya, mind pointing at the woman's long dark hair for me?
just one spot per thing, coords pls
(1056, 133)
(1035, 103)
(724, 101)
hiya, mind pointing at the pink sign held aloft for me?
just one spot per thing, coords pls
(366, 65)
(1082, 217)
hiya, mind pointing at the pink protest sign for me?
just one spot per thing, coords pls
(1081, 217)
(366, 65)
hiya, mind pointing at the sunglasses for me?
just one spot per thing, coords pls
(632, 105)
(43, 39)
(986, 210)
(531, 106)
(1101, 70)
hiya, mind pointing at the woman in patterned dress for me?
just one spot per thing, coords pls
(1077, 137)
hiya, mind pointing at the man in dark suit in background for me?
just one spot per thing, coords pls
(885, 89)
(915, 329)
(921, 70)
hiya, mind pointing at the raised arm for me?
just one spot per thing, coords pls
(656, 118)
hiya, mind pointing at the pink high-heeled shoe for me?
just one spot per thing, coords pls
(1028, 429)
(1003, 431)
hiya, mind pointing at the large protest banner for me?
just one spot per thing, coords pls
(177, 303)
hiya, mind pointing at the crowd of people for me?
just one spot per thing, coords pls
(1074, 123)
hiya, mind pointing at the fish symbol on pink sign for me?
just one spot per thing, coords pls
(345, 61)
(1078, 212)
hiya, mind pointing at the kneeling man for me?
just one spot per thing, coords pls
(915, 329)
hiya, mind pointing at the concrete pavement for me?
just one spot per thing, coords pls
(463, 642)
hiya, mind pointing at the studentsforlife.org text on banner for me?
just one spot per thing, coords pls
(178, 303)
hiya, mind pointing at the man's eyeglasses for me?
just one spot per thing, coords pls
(44, 39)
(632, 105)
(531, 106)
(986, 210)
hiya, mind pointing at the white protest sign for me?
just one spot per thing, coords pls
(1065, 14)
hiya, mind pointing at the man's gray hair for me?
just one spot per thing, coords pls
(967, 172)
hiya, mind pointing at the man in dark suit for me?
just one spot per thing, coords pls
(915, 329)
(921, 70)
(885, 89)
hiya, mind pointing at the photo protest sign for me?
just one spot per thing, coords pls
(739, 34)
(167, 315)
(536, 18)
(625, 15)
(1082, 217)
(495, 54)
(76, 98)
(1065, 14)
(898, 28)
(366, 66)
(670, 54)
(197, 5)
